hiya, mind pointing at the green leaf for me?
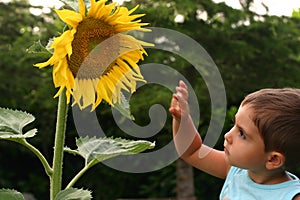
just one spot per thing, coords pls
(99, 149)
(8, 194)
(73, 194)
(12, 123)
(123, 107)
(296, 13)
(39, 49)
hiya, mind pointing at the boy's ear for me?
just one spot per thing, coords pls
(275, 160)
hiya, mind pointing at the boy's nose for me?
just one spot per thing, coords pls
(228, 137)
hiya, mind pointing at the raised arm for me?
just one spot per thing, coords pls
(188, 141)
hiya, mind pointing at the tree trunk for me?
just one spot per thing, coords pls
(185, 181)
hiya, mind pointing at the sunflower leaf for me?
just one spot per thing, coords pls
(71, 151)
(39, 49)
(48, 46)
(123, 107)
(99, 149)
(12, 123)
(9, 194)
(73, 194)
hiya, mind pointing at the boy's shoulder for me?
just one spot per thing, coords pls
(238, 185)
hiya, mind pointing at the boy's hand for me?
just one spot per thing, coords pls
(179, 104)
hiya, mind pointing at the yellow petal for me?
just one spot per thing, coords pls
(92, 9)
(70, 78)
(122, 75)
(112, 87)
(104, 92)
(63, 44)
(58, 66)
(81, 8)
(88, 92)
(44, 64)
(69, 17)
(117, 78)
(99, 5)
(132, 10)
(68, 94)
(59, 91)
(77, 95)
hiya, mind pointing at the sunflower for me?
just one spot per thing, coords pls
(95, 59)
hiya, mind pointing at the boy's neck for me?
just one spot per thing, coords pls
(269, 177)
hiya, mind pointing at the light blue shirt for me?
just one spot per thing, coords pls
(239, 186)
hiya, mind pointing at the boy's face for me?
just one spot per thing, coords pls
(243, 144)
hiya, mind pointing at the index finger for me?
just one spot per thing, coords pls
(182, 84)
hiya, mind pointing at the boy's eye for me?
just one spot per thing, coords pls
(242, 134)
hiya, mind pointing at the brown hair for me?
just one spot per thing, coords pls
(277, 116)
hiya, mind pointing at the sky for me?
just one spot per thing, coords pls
(276, 7)
(55, 3)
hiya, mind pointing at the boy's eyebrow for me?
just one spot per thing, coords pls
(243, 129)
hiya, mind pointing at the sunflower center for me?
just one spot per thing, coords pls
(90, 33)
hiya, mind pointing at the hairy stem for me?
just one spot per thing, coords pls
(56, 179)
(79, 174)
(41, 157)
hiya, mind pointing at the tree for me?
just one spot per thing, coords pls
(185, 181)
(250, 50)
(24, 87)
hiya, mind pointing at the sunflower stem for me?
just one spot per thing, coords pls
(56, 178)
(41, 157)
(79, 174)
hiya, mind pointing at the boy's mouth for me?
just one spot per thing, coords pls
(226, 150)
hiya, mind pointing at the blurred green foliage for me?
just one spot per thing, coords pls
(251, 51)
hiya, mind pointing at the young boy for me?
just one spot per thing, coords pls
(264, 140)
